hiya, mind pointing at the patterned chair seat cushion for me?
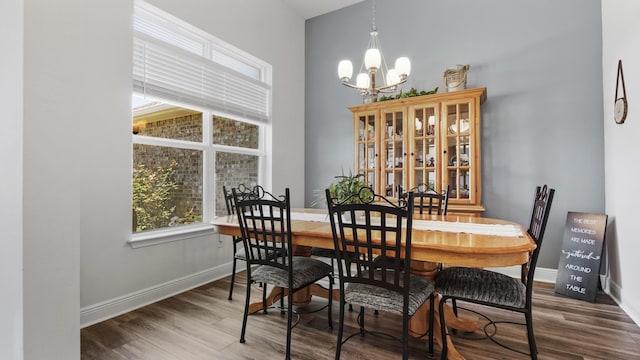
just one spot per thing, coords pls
(386, 300)
(481, 285)
(305, 271)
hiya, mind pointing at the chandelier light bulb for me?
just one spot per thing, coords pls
(345, 70)
(372, 59)
(403, 66)
(362, 81)
(392, 77)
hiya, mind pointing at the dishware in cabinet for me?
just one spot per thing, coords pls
(432, 140)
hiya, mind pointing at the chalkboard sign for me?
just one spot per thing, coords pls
(579, 265)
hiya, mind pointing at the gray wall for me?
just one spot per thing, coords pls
(541, 62)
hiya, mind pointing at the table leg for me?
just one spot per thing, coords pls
(272, 297)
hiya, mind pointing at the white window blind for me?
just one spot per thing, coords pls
(174, 74)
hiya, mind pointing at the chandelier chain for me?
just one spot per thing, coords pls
(373, 20)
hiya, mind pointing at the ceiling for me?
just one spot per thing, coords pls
(313, 8)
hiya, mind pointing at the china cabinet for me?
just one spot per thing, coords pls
(431, 139)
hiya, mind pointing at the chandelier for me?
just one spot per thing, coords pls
(374, 63)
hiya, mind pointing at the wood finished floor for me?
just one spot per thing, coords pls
(203, 324)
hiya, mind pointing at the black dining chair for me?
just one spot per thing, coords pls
(377, 226)
(238, 253)
(493, 289)
(429, 201)
(265, 224)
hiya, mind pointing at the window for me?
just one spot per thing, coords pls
(201, 112)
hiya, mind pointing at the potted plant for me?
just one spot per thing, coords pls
(346, 189)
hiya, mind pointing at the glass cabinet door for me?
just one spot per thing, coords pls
(367, 155)
(425, 152)
(458, 156)
(430, 141)
(394, 152)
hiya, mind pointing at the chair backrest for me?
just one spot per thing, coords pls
(364, 231)
(265, 224)
(537, 226)
(228, 201)
(429, 201)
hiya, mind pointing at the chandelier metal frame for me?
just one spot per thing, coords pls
(374, 63)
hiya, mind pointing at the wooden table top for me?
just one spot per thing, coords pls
(449, 247)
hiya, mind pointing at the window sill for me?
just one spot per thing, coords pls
(157, 237)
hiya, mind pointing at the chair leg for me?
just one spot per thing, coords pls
(264, 299)
(233, 278)
(289, 320)
(246, 309)
(443, 328)
(330, 300)
(431, 318)
(282, 300)
(361, 322)
(340, 328)
(454, 306)
(405, 336)
(533, 350)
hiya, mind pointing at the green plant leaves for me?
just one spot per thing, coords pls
(346, 189)
(411, 93)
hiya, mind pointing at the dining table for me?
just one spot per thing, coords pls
(450, 240)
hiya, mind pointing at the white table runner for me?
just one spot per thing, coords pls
(469, 228)
(447, 226)
(315, 217)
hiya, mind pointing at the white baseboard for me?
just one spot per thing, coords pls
(96, 313)
(92, 314)
(625, 301)
(542, 274)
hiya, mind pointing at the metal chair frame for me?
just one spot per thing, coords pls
(228, 201)
(356, 235)
(429, 200)
(265, 224)
(537, 225)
